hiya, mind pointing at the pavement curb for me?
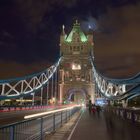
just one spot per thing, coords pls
(63, 132)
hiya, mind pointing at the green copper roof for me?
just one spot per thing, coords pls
(76, 29)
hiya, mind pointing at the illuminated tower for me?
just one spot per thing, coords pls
(75, 73)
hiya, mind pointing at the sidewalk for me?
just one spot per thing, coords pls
(85, 126)
(63, 132)
(92, 127)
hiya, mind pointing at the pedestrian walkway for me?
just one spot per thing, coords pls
(63, 132)
(94, 127)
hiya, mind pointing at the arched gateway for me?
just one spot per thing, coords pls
(75, 73)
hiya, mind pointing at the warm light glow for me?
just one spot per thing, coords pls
(76, 66)
(53, 100)
(22, 100)
(49, 112)
(18, 100)
(83, 80)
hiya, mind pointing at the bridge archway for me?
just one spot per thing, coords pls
(77, 95)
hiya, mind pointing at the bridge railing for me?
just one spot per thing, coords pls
(132, 115)
(37, 128)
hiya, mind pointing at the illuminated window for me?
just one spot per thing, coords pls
(76, 66)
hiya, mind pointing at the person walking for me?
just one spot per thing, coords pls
(98, 109)
(90, 107)
(93, 109)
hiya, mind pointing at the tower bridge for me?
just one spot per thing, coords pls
(75, 68)
(74, 72)
(73, 78)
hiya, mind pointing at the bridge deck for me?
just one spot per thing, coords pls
(92, 127)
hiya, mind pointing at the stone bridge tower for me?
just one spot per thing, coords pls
(75, 73)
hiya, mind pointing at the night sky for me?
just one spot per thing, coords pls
(30, 31)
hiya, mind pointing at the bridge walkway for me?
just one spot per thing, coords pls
(94, 127)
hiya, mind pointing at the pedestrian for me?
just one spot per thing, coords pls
(93, 109)
(109, 119)
(90, 106)
(98, 109)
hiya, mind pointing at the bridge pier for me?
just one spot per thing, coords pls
(61, 90)
(92, 94)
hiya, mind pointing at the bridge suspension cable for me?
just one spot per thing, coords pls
(116, 89)
(19, 87)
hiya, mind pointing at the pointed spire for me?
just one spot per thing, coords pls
(76, 24)
(63, 29)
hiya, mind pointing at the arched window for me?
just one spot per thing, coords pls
(76, 65)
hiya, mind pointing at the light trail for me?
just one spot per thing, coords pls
(49, 112)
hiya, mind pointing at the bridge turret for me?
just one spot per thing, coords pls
(77, 42)
(75, 69)
(76, 34)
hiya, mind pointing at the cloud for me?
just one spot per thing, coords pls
(32, 12)
(91, 23)
(12, 69)
(119, 38)
(35, 27)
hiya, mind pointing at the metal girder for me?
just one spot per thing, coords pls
(116, 89)
(26, 85)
